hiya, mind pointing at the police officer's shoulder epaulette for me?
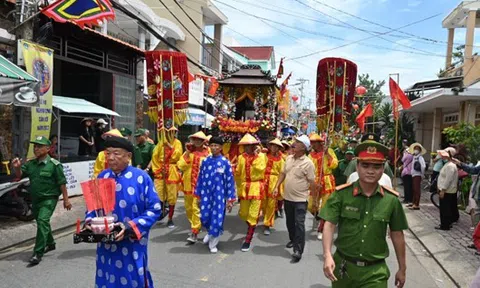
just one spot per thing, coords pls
(343, 186)
(388, 189)
(55, 162)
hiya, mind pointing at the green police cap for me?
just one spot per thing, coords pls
(40, 140)
(139, 132)
(125, 131)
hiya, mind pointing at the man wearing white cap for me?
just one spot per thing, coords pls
(299, 176)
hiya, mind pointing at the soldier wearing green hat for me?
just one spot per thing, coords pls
(339, 173)
(127, 133)
(143, 150)
(363, 211)
(47, 184)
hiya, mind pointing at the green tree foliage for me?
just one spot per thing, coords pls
(468, 135)
(374, 95)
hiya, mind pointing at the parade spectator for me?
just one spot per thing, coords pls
(48, 183)
(100, 129)
(407, 160)
(418, 172)
(438, 165)
(299, 176)
(447, 189)
(53, 147)
(86, 139)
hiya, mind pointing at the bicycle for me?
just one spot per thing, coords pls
(435, 199)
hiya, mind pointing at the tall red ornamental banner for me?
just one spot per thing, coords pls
(336, 82)
(167, 80)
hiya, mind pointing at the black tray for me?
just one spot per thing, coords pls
(88, 236)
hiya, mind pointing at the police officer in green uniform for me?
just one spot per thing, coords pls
(363, 211)
(143, 150)
(340, 178)
(47, 183)
(352, 166)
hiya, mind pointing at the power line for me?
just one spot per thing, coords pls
(433, 41)
(243, 35)
(356, 28)
(360, 40)
(201, 30)
(307, 17)
(189, 32)
(280, 54)
(146, 26)
(335, 37)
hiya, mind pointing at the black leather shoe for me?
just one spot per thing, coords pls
(289, 244)
(35, 259)
(296, 256)
(441, 228)
(50, 248)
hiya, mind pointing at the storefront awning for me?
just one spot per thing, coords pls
(76, 105)
(16, 85)
(196, 117)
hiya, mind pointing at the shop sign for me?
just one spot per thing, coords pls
(76, 173)
(39, 63)
(195, 119)
(195, 93)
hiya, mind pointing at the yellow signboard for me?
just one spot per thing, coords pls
(39, 63)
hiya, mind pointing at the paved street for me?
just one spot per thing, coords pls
(174, 264)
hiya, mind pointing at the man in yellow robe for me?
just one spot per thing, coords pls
(249, 176)
(275, 163)
(325, 178)
(167, 177)
(190, 164)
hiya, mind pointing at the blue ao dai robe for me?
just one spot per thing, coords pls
(125, 263)
(215, 187)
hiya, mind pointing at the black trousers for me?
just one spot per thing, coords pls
(448, 210)
(408, 188)
(295, 216)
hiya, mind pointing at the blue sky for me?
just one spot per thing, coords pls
(377, 62)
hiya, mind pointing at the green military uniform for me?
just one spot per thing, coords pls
(362, 229)
(339, 173)
(142, 152)
(339, 153)
(46, 177)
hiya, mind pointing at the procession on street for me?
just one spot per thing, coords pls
(178, 157)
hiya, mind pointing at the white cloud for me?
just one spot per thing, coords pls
(414, 3)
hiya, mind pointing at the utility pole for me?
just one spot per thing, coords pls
(301, 82)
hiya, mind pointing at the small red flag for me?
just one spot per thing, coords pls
(366, 112)
(190, 77)
(213, 87)
(398, 96)
(280, 69)
(283, 87)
